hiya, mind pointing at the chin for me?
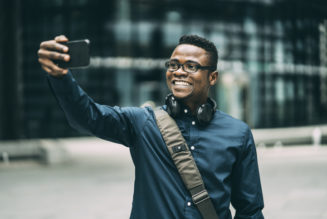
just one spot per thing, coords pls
(180, 95)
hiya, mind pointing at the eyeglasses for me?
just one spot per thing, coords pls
(189, 67)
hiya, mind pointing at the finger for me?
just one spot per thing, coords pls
(58, 73)
(46, 54)
(58, 70)
(53, 45)
(65, 71)
(54, 69)
(46, 63)
(46, 69)
(61, 38)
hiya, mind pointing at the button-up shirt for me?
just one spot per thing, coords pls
(223, 150)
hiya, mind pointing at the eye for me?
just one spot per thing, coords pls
(191, 67)
(173, 65)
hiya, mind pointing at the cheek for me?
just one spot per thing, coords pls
(198, 80)
(201, 83)
(168, 78)
(168, 75)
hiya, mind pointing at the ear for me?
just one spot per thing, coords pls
(213, 77)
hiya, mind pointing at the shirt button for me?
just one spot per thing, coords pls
(193, 122)
(189, 203)
(185, 110)
(192, 147)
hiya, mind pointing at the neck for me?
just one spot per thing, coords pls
(193, 106)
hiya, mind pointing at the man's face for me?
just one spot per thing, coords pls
(192, 88)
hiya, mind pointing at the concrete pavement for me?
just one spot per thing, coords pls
(294, 181)
(97, 183)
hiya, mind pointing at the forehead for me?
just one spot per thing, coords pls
(188, 52)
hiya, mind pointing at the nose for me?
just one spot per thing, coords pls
(180, 72)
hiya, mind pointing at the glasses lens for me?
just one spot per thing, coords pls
(172, 66)
(191, 67)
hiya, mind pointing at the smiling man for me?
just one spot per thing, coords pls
(222, 147)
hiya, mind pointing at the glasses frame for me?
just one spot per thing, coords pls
(182, 65)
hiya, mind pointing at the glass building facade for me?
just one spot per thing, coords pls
(272, 57)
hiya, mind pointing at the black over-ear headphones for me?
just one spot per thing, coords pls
(204, 113)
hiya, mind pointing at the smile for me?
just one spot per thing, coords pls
(180, 82)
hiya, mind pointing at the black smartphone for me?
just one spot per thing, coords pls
(79, 51)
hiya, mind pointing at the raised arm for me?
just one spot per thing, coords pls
(116, 124)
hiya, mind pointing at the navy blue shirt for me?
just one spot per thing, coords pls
(224, 152)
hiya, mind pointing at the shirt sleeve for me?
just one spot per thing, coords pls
(115, 124)
(247, 198)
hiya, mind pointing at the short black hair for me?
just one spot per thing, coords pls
(204, 44)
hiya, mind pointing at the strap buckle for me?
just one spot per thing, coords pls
(200, 197)
(179, 148)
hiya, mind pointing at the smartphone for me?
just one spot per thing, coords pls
(79, 51)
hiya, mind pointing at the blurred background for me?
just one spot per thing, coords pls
(272, 57)
(273, 75)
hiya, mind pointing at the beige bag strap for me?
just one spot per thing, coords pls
(185, 164)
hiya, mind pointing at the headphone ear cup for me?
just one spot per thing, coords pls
(206, 112)
(173, 107)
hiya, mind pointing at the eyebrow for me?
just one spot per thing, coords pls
(187, 61)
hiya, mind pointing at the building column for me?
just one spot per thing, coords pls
(11, 86)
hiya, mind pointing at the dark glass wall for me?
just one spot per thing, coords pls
(272, 57)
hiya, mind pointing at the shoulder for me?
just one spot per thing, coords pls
(230, 124)
(136, 113)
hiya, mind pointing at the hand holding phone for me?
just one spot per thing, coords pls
(56, 56)
(79, 52)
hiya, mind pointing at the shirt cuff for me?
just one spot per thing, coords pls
(61, 85)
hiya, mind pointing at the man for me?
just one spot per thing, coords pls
(223, 147)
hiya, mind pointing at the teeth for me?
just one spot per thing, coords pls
(181, 83)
